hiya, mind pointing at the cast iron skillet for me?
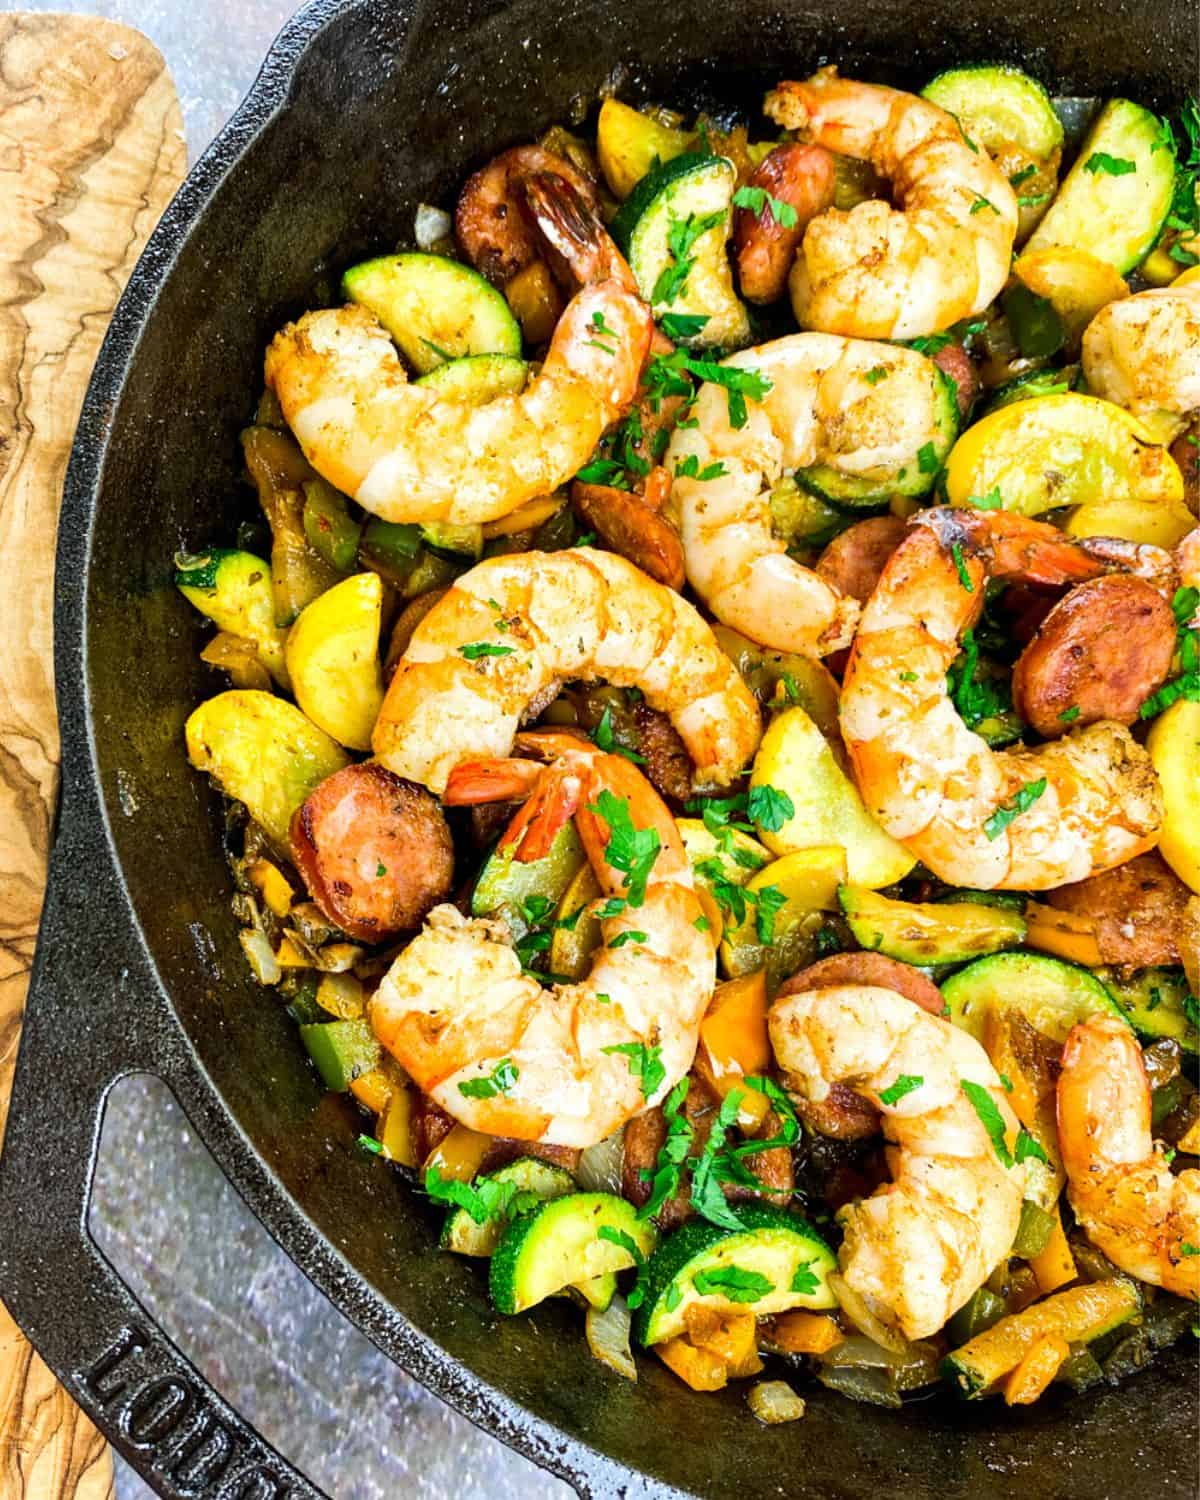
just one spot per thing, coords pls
(363, 109)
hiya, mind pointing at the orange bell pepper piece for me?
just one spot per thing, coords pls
(700, 1368)
(1055, 1265)
(802, 1332)
(1035, 1372)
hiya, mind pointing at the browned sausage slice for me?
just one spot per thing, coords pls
(1099, 654)
(374, 851)
(870, 969)
(629, 526)
(854, 559)
(1137, 911)
(954, 362)
(803, 177)
(491, 221)
(668, 765)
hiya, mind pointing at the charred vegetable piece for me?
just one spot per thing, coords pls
(926, 935)
(1158, 1003)
(1051, 995)
(569, 1241)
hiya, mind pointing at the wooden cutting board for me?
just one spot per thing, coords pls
(91, 149)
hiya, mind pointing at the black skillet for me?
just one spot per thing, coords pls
(363, 109)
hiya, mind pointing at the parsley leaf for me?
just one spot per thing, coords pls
(628, 936)
(804, 1281)
(738, 382)
(682, 325)
(1187, 1248)
(682, 234)
(630, 850)
(380, 869)
(931, 343)
(668, 1166)
(981, 203)
(713, 1166)
(645, 1063)
(993, 500)
(757, 199)
(1022, 801)
(789, 1130)
(768, 899)
(483, 648)
(1028, 1149)
(876, 373)
(499, 1081)
(927, 459)
(483, 1200)
(904, 1084)
(369, 1143)
(688, 467)
(1069, 715)
(769, 807)
(1111, 166)
(990, 1118)
(956, 552)
(733, 1283)
(622, 1238)
(604, 738)
(1023, 175)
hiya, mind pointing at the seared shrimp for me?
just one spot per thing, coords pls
(821, 408)
(570, 1064)
(1143, 352)
(993, 819)
(1129, 1203)
(507, 632)
(407, 454)
(893, 273)
(918, 1248)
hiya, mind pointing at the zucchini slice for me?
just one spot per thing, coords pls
(464, 1236)
(436, 309)
(1052, 995)
(234, 590)
(1103, 206)
(916, 477)
(947, 933)
(506, 886)
(776, 1262)
(998, 106)
(342, 1051)
(661, 216)
(567, 1242)
(1031, 385)
(1078, 1315)
(1154, 1003)
(477, 378)
(463, 541)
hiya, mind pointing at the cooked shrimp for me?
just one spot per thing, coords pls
(821, 408)
(1127, 1200)
(407, 454)
(918, 1248)
(513, 627)
(572, 1063)
(1143, 352)
(994, 819)
(883, 272)
(492, 220)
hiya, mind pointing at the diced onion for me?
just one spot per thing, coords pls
(431, 226)
(599, 1169)
(337, 958)
(608, 1337)
(774, 1401)
(262, 961)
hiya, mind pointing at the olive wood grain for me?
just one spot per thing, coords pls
(91, 149)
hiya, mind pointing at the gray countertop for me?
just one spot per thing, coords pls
(161, 1210)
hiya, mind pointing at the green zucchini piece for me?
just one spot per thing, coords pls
(981, 1310)
(802, 518)
(1079, 1315)
(682, 193)
(390, 548)
(477, 378)
(850, 492)
(998, 106)
(436, 309)
(342, 1051)
(1153, 1002)
(506, 886)
(463, 541)
(541, 1179)
(1033, 1231)
(234, 590)
(596, 1291)
(776, 1262)
(560, 1244)
(1031, 385)
(329, 527)
(915, 933)
(1114, 217)
(1052, 995)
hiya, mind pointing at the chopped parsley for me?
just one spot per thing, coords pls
(476, 649)
(682, 235)
(1069, 715)
(682, 325)
(768, 900)
(876, 373)
(904, 1084)
(1183, 217)
(769, 807)
(1028, 1149)
(931, 343)
(733, 1283)
(1191, 1009)
(702, 924)
(1110, 166)
(668, 1167)
(603, 337)
(1023, 175)
(990, 1118)
(484, 1199)
(956, 552)
(645, 1063)
(369, 1143)
(739, 383)
(757, 200)
(628, 936)
(499, 1081)
(804, 1281)
(689, 468)
(620, 1237)
(993, 500)
(927, 459)
(981, 203)
(630, 850)
(908, 677)
(976, 696)
(1187, 685)
(1022, 801)
(1187, 1248)
(380, 869)
(604, 738)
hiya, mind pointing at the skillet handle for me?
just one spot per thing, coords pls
(88, 1022)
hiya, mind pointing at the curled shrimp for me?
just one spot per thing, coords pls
(994, 819)
(492, 220)
(569, 1064)
(1129, 1203)
(918, 1248)
(1143, 352)
(884, 272)
(864, 409)
(512, 628)
(406, 453)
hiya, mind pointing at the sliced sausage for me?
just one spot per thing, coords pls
(627, 525)
(668, 765)
(870, 969)
(492, 222)
(803, 177)
(505, 1149)
(1137, 910)
(842, 1115)
(1099, 654)
(429, 1125)
(374, 851)
(856, 557)
(955, 363)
